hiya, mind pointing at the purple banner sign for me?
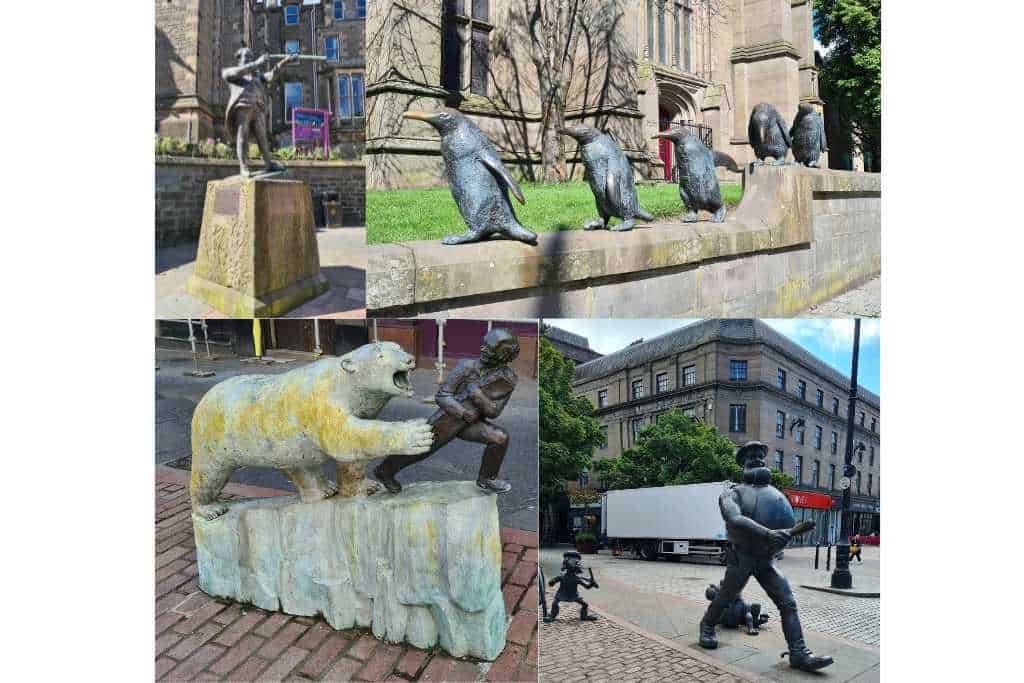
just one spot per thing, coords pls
(310, 128)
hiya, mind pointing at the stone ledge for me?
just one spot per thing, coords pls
(297, 163)
(776, 213)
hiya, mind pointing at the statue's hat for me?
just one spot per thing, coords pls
(750, 448)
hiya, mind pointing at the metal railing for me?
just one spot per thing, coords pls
(702, 131)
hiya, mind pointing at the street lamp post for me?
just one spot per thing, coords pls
(841, 577)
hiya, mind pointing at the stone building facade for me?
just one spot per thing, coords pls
(751, 383)
(641, 66)
(195, 39)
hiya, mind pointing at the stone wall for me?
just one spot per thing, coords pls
(799, 237)
(181, 189)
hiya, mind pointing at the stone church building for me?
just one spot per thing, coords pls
(637, 67)
(195, 39)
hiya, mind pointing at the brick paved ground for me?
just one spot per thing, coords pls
(202, 638)
(608, 650)
(862, 302)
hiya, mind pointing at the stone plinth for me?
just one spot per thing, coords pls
(257, 248)
(423, 566)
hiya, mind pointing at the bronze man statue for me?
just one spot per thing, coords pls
(247, 106)
(759, 522)
(569, 582)
(474, 392)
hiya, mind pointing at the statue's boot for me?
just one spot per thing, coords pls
(708, 640)
(489, 468)
(552, 614)
(802, 658)
(392, 465)
(584, 616)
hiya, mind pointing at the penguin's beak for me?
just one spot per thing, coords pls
(571, 132)
(660, 136)
(420, 116)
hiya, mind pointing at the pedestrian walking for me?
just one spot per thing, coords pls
(855, 548)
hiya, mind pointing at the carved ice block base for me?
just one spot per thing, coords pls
(423, 566)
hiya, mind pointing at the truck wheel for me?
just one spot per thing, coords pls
(649, 551)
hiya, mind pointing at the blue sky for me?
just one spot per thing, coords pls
(829, 340)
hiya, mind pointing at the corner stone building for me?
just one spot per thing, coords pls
(647, 65)
(195, 39)
(751, 383)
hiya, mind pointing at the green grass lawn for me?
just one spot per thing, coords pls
(403, 215)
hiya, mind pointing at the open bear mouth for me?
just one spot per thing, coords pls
(401, 380)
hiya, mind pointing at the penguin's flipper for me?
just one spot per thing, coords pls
(821, 133)
(491, 160)
(785, 133)
(724, 160)
(611, 188)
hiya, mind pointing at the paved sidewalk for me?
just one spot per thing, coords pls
(611, 649)
(342, 261)
(861, 302)
(667, 599)
(204, 638)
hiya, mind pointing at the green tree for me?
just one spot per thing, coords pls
(568, 432)
(676, 450)
(850, 75)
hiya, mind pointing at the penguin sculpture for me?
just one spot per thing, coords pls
(808, 134)
(611, 179)
(479, 182)
(767, 134)
(695, 165)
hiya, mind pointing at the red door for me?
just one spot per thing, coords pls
(665, 152)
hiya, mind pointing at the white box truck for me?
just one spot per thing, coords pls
(666, 521)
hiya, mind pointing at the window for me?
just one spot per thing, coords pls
(292, 99)
(777, 461)
(834, 447)
(874, 424)
(466, 21)
(858, 482)
(862, 418)
(661, 382)
(799, 434)
(689, 376)
(357, 95)
(604, 437)
(860, 458)
(780, 424)
(870, 483)
(584, 480)
(801, 389)
(291, 47)
(661, 31)
(686, 36)
(332, 48)
(819, 398)
(676, 35)
(344, 97)
(638, 388)
(361, 6)
(339, 10)
(738, 370)
(871, 457)
(291, 15)
(780, 378)
(816, 474)
(737, 418)
(690, 412)
(602, 398)
(636, 425)
(831, 477)
(817, 437)
(798, 469)
(650, 29)
(835, 406)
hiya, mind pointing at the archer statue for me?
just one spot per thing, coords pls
(247, 105)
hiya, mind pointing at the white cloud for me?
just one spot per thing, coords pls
(836, 335)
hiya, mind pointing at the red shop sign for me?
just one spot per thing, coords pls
(803, 499)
